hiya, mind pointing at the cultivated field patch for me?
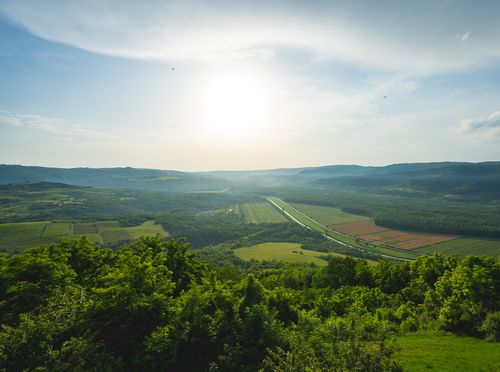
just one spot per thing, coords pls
(464, 246)
(368, 231)
(259, 213)
(327, 215)
(20, 235)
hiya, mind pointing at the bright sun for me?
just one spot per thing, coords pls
(235, 104)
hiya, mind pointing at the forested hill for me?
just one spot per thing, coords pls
(463, 180)
(128, 178)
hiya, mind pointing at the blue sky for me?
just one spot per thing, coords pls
(196, 85)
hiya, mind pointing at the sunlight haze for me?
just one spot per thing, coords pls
(248, 85)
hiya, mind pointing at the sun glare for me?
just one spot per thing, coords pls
(235, 104)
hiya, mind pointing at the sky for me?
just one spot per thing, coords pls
(220, 85)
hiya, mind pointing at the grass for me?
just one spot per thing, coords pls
(315, 225)
(259, 213)
(448, 353)
(465, 246)
(147, 228)
(289, 252)
(328, 215)
(15, 237)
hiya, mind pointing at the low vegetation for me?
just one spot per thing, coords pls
(426, 351)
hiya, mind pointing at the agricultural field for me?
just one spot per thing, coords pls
(290, 252)
(23, 235)
(259, 213)
(328, 215)
(447, 353)
(147, 228)
(307, 221)
(368, 231)
(465, 246)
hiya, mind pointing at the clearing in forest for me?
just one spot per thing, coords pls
(290, 252)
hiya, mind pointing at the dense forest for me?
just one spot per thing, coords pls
(151, 305)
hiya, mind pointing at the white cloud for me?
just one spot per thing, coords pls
(411, 37)
(481, 128)
(53, 125)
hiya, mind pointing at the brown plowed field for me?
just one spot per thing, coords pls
(366, 230)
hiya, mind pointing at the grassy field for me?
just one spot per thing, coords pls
(259, 213)
(17, 236)
(290, 252)
(327, 215)
(448, 353)
(465, 246)
(315, 225)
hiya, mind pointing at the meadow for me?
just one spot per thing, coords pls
(423, 352)
(259, 213)
(289, 252)
(20, 235)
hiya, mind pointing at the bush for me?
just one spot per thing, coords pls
(491, 327)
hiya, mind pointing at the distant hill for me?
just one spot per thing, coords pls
(124, 178)
(477, 180)
(480, 179)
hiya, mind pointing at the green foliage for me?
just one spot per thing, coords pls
(467, 293)
(151, 305)
(491, 326)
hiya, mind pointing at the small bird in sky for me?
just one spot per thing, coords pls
(385, 97)
(173, 68)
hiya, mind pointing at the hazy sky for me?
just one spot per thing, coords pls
(197, 85)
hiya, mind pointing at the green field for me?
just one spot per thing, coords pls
(17, 236)
(465, 246)
(290, 252)
(448, 353)
(147, 228)
(327, 215)
(315, 225)
(259, 213)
